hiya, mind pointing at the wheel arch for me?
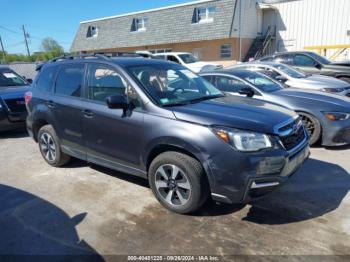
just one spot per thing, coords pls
(312, 114)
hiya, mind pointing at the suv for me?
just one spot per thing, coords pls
(188, 60)
(12, 106)
(312, 63)
(160, 121)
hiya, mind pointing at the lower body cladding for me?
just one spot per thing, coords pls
(11, 121)
(336, 133)
(244, 177)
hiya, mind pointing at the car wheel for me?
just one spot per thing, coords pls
(50, 147)
(312, 126)
(346, 79)
(179, 182)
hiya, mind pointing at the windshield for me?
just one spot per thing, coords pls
(10, 78)
(290, 71)
(319, 58)
(171, 85)
(188, 58)
(261, 81)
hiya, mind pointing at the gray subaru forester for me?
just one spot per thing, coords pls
(158, 120)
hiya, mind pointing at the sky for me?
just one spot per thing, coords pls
(59, 19)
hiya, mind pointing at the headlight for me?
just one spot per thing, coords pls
(336, 116)
(333, 90)
(243, 140)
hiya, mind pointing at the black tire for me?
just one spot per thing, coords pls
(192, 175)
(344, 78)
(58, 158)
(313, 127)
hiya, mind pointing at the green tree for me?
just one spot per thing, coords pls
(50, 45)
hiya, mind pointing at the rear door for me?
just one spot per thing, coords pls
(113, 136)
(66, 108)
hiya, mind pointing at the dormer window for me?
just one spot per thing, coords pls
(205, 14)
(92, 32)
(140, 24)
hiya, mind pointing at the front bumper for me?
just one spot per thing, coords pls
(335, 133)
(257, 174)
(11, 121)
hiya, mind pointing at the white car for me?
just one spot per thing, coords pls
(297, 79)
(188, 60)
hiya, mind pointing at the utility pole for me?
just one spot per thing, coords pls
(25, 39)
(3, 50)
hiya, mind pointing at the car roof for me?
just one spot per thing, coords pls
(233, 72)
(287, 53)
(172, 53)
(267, 63)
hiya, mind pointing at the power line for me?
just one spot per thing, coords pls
(10, 30)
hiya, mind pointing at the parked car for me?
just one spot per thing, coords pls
(326, 116)
(159, 120)
(311, 63)
(297, 79)
(12, 106)
(188, 60)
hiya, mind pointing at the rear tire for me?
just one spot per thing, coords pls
(179, 182)
(313, 127)
(50, 147)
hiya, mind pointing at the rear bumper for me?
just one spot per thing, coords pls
(267, 173)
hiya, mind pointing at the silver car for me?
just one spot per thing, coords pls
(326, 116)
(297, 79)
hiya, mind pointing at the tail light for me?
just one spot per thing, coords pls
(27, 97)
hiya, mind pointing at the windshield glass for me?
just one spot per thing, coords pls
(188, 58)
(171, 85)
(319, 58)
(261, 81)
(290, 71)
(10, 78)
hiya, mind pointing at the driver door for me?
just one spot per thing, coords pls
(113, 137)
(306, 64)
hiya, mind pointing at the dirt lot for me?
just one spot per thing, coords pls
(85, 209)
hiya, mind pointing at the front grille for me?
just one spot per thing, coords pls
(16, 105)
(291, 141)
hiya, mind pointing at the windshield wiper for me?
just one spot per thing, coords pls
(176, 104)
(203, 98)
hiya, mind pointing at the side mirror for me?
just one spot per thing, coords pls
(281, 79)
(318, 66)
(30, 81)
(117, 102)
(249, 92)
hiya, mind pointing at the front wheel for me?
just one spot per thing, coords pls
(179, 182)
(312, 126)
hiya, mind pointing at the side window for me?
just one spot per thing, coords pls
(104, 82)
(134, 98)
(173, 59)
(46, 79)
(285, 59)
(69, 80)
(227, 84)
(303, 60)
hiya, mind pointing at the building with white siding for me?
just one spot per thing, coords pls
(224, 30)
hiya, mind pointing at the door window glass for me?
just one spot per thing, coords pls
(104, 82)
(227, 84)
(47, 78)
(302, 60)
(69, 80)
(173, 59)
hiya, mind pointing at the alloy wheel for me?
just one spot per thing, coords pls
(173, 185)
(48, 147)
(309, 125)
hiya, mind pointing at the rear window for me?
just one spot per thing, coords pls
(46, 79)
(69, 80)
(9, 78)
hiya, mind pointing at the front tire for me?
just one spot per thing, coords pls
(179, 182)
(50, 147)
(312, 126)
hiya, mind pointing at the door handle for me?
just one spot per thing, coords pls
(88, 113)
(50, 104)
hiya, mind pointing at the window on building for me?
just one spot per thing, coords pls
(204, 14)
(92, 32)
(69, 80)
(139, 24)
(226, 51)
(159, 51)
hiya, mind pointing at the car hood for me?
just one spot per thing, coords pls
(311, 96)
(319, 81)
(338, 68)
(13, 92)
(236, 112)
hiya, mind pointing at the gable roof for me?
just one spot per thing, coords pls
(172, 24)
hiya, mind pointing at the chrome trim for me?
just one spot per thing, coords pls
(263, 185)
(288, 132)
(300, 145)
